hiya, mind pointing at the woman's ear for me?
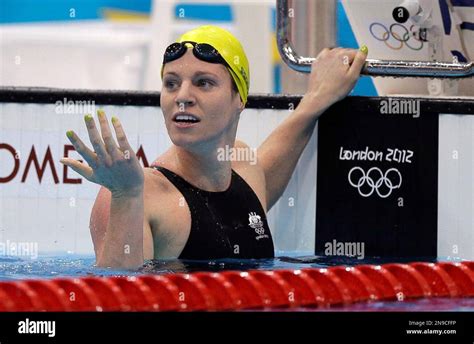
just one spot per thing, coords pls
(241, 104)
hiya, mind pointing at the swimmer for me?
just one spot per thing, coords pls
(189, 204)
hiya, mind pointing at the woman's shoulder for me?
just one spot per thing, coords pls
(246, 160)
(250, 171)
(154, 179)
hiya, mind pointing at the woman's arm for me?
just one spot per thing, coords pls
(280, 152)
(115, 167)
(333, 75)
(113, 224)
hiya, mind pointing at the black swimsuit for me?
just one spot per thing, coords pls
(227, 224)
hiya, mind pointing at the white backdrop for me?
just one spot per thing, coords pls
(456, 186)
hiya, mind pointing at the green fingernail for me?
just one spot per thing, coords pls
(364, 49)
(88, 118)
(114, 119)
(69, 134)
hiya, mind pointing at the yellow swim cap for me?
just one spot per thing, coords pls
(229, 48)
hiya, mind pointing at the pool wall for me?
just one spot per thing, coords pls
(42, 202)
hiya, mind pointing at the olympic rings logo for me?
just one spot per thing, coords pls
(374, 184)
(399, 33)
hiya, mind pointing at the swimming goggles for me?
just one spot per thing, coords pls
(202, 51)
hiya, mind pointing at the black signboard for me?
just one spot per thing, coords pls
(377, 179)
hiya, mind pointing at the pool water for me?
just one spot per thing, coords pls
(67, 265)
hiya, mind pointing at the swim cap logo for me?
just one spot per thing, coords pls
(244, 75)
(255, 221)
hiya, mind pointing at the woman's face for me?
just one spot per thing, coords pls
(202, 90)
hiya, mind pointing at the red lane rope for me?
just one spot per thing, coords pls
(235, 290)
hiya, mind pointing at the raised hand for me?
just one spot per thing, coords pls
(113, 166)
(333, 75)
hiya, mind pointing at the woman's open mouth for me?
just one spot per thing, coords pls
(184, 120)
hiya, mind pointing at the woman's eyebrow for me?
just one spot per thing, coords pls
(200, 73)
(171, 73)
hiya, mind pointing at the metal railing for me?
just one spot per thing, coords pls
(372, 67)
